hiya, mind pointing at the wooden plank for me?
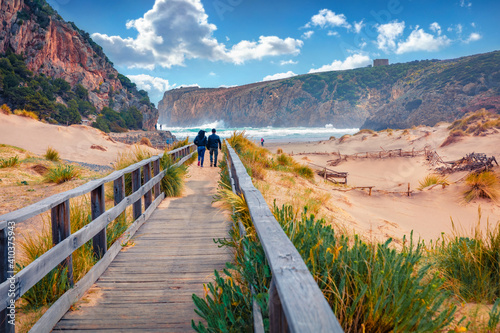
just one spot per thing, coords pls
(61, 229)
(303, 303)
(49, 203)
(136, 185)
(97, 207)
(148, 197)
(46, 262)
(62, 305)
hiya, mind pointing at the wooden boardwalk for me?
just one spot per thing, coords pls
(148, 286)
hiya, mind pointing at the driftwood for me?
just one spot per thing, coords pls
(471, 162)
(378, 154)
(331, 175)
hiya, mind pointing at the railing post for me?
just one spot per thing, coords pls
(136, 184)
(100, 243)
(277, 319)
(156, 171)
(148, 197)
(61, 229)
(119, 193)
(5, 327)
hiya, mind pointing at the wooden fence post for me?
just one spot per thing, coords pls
(148, 197)
(97, 207)
(119, 193)
(5, 327)
(61, 229)
(156, 171)
(136, 184)
(277, 319)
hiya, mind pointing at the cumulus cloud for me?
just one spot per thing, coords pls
(465, 3)
(436, 28)
(307, 34)
(288, 62)
(358, 26)
(419, 40)
(473, 37)
(176, 30)
(353, 61)
(278, 76)
(332, 33)
(155, 86)
(327, 18)
(387, 34)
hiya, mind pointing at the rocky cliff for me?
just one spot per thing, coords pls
(396, 96)
(59, 49)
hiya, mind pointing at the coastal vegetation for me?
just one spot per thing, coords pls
(433, 179)
(482, 185)
(371, 286)
(52, 155)
(61, 173)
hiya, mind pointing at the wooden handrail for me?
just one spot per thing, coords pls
(67, 243)
(296, 303)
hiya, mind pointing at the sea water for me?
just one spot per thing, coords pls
(269, 134)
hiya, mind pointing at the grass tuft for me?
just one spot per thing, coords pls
(52, 155)
(279, 151)
(454, 136)
(365, 131)
(433, 180)
(9, 162)
(146, 142)
(482, 185)
(173, 182)
(27, 114)
(61, 174)
(5, 109)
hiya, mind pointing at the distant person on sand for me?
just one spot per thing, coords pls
(214, 145)
(262, 142)
(201, 142)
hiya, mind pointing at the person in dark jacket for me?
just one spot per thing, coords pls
(214, 145)
(201, 142)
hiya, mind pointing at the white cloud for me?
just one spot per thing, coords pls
(212, 74)
(419, 40)
(327, 18)
(155, 86)
(387, 34)
(353, 61)
(278, 76)
(465, 3)
(176, 30)
(358, 26)
(459, 28)
(473, 24)
(473, 37)
(332, 33)
(307, 34)
(288, 62)
(436, 28)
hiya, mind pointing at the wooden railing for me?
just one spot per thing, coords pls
(65, 243)
(296, 303)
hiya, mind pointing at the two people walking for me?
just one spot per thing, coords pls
(212, 143)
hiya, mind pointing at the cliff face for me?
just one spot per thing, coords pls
(396, 96)
(60, 50)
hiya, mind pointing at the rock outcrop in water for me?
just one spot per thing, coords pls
(396, 96)
(60, 50)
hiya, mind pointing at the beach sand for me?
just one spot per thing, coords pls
(384, 214)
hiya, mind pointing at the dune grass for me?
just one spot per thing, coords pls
(433, 179)
(469, 261)
(61, 173)
(365, 131)
(9, 162)
(482, 185)
(173, 182)
(146, 142)
(477, 122)
(5, 109)
(52, 155)
(27, 114)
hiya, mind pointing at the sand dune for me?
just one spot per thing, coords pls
(72, 142)
(384, 214)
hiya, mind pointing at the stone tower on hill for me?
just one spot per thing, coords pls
(380, 62)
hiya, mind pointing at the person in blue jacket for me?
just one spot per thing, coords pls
(201, 142)
(214, 144)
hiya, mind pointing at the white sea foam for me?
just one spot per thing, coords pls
(270, 134)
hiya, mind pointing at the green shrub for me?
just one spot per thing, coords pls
(52, 155)
(61, 174)
(304, 171)
(284, 160)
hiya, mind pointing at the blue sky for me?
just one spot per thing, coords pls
(165, 44)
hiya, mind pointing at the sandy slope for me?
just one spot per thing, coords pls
(73, 142)
(384, 214)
